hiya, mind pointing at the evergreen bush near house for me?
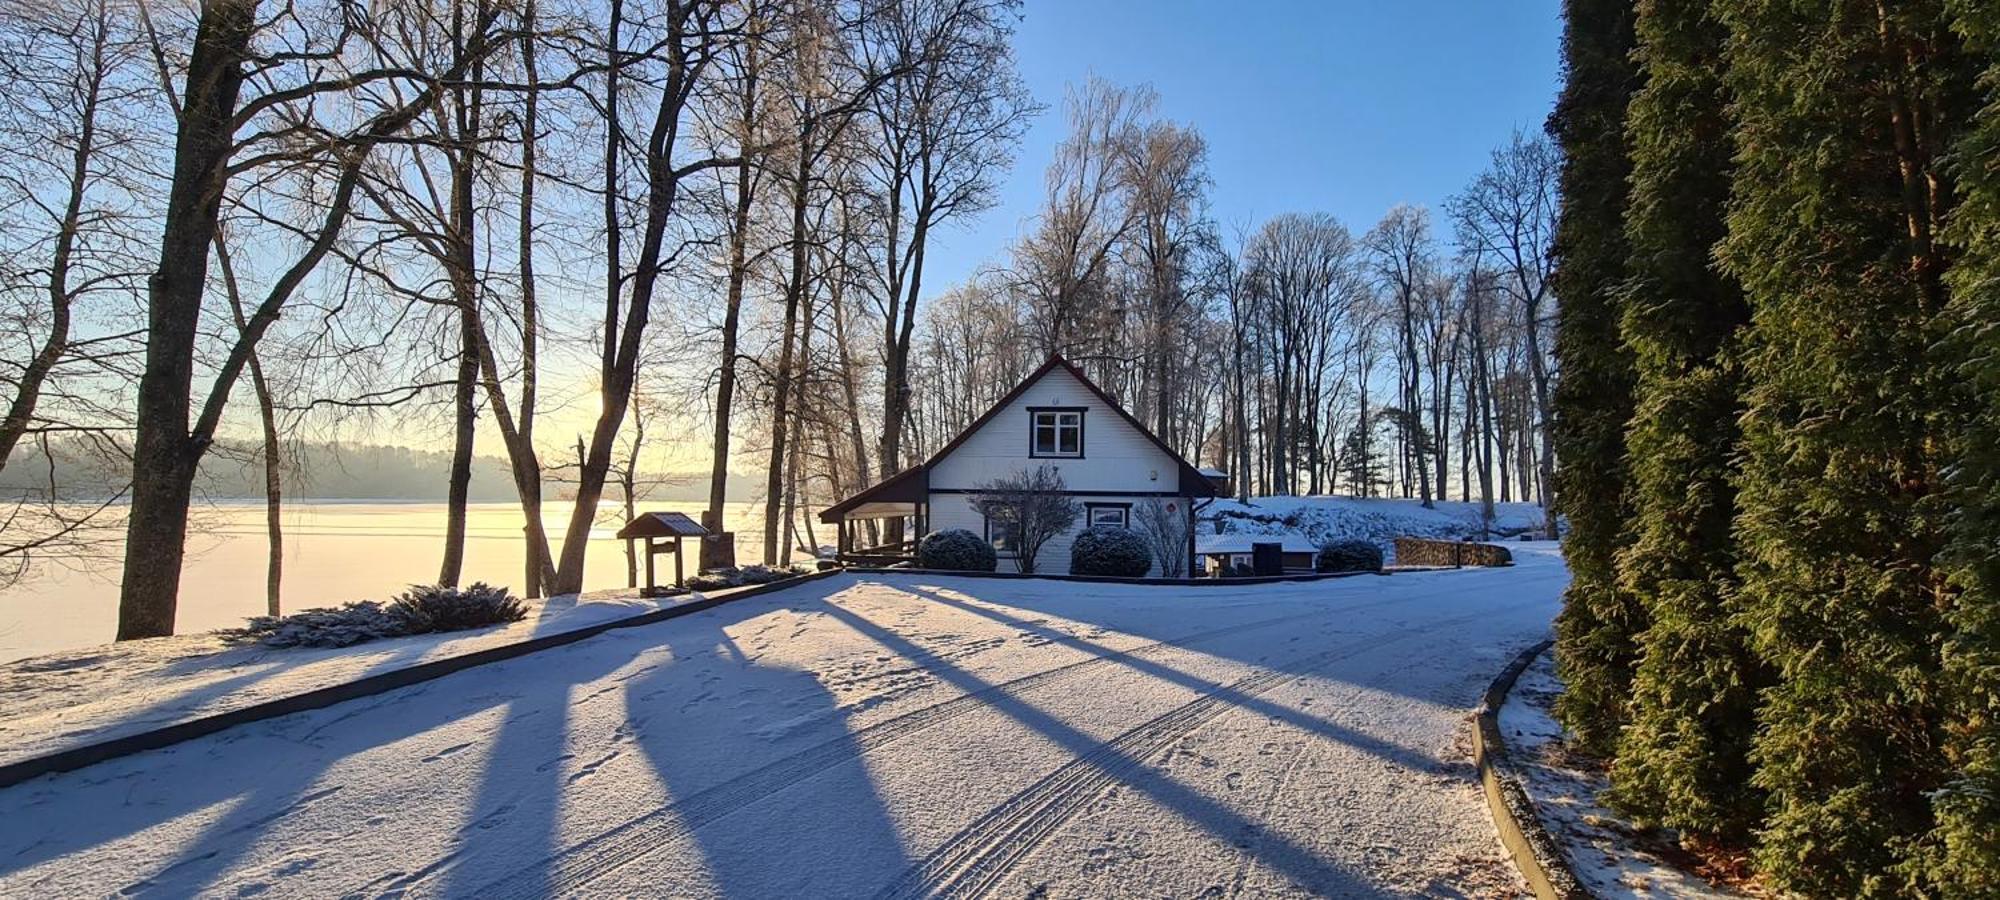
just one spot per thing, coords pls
(738, 576)
(1595, 650)
(436, 607)
(957, 550)
(1110, 550)
(1831, 236)
(1683, 757)
(1348, 556)
(1965, 845)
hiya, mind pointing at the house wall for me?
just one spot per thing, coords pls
(1116, 456)
(955, 511)
(1120, 464)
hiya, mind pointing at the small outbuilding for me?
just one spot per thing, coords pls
(655, 527)
(1221, 553)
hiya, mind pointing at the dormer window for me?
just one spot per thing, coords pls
(1055, 432)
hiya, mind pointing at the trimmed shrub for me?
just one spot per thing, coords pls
(956, 549)
(434, 607)
(1110, 550)
(1348, 556)
(337, 626)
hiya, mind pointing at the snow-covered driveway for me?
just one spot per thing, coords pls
(860, 736)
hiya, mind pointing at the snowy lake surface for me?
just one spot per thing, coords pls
(334, 553)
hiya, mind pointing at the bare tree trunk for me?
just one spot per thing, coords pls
(732, 316)
(537, 568)
(774, 484)
(164, 454)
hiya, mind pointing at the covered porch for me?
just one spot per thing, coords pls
(881, 526)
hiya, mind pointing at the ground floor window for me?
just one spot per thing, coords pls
(1003, 534)
(1115, 514)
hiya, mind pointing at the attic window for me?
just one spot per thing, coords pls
(1055, 433)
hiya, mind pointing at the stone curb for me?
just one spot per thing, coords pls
(1536, 853)
(126, 745)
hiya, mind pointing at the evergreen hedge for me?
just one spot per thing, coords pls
(1595, 652)
(1683, 758)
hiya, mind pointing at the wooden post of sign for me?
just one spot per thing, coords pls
(680, 580)
(650, 581)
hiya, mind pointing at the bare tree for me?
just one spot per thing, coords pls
(1029, 507)
(300, 71)
(1168, 530)
(1507, 215)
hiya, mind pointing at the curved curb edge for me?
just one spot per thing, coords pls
(154, 739)
(1538, 856)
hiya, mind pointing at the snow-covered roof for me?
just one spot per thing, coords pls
(1209, 544)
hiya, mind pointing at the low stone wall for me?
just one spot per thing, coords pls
(1426, 552)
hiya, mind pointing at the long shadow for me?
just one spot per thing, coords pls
(1298, 863)
(1397, 753)
(1391, 602)
(714, 717)
(259, 775)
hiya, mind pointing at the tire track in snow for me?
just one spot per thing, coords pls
(627, 843)
(971, 862)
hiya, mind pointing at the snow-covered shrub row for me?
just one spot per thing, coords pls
(1349, 555)
(742, 575)
(957, 550)
(1110, 550)
(422, 609)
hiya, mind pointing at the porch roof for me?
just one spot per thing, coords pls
(897, 496)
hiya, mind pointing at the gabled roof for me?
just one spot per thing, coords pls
(905, 486)
(662, 524)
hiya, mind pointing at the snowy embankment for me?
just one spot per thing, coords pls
(1608, 856)
(64, 700)
(1379, 520)
(886, 735)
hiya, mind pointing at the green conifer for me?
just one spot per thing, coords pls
(1594, 634)
(1843, 109)
(1684, 759)
(1966, 842)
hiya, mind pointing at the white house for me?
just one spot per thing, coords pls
(1056, 417)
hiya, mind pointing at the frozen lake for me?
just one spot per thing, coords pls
(334, 552)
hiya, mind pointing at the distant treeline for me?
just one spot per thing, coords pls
(322, 471)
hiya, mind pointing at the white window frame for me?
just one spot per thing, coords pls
(1056, 423)
(1120, 510)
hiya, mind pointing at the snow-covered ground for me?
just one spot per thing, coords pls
(1607, 856)
(861, 735)
(1381, 520)
(63, 700)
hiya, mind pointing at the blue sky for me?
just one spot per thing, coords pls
(1341, 106)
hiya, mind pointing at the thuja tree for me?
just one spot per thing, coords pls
(1594, 634)
(1966, 841)
(1683, 760)
(1844, 109)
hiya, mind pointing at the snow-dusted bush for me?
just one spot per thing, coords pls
(338, 626)
(1348, 556)
(420, 610)
(436, 607)
(1110, 550)
(738, 577)
(956, 549)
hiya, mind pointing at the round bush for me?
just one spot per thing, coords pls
(955, 549)
(1349, 556)
(1110, 550)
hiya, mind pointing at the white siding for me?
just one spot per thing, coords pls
(1116, 456)
(955, 511)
